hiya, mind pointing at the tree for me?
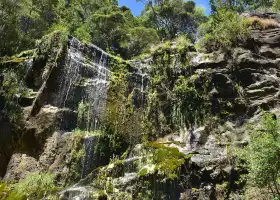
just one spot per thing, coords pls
(139, 39)
(8, 27)
(236, 5)
(239, 5)
(223, 30)
(24, 21)
(100, 22)
(172, 17)
(262, 155)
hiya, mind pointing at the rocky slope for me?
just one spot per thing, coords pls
(65, 88)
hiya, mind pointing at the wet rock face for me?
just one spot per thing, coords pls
(238, 85)
(241, 84)
(81, 74)
(56, 89)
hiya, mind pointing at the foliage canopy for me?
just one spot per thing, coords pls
(262, 155)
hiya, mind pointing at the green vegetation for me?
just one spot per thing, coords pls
(12, 87)
(78, 151)
(262, 156)
(168, 161)
(177, 95)
(172, 17)
(223, 30)
(84, 115)
(35, 185)
(276, 5)
(103, 23)
(116, 30)
(174, 100)
(240, 5)
(189, 102)
(123, 122)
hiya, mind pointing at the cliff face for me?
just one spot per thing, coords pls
(193, 107)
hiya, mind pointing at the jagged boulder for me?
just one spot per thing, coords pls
(19, 166)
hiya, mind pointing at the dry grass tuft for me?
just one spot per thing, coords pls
(262, 24)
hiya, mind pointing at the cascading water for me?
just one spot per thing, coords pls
(88, 67)
(96, 91)
(85, 67)
(88, 159)
(70, 75)
(142, 80)
(28, 64)
(85, 78)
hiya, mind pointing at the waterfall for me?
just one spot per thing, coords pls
(96, 92)
(142, 78)
(69, 75)
(72, 73)
(88, 161)
(84, 77)
(29, 64)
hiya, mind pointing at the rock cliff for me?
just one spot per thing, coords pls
(194, 107)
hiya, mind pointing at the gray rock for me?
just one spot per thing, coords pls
(19, 166)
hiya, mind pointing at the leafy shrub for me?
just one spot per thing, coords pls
(83, 34)
(189, 102)
(262, 156)
(34, 186)
(12, 89)
(276, 5)
(7, 194)
(58, 27)
(166, 162)
(223, 31)
(182, 41)
(262, 24)
(139, 39)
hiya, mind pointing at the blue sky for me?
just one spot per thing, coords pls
(137, 7)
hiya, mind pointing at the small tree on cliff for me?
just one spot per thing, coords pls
(263, 156)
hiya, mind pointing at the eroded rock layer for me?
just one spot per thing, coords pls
(61, 125)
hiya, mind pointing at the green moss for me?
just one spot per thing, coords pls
(222, 187)
(19, 58)
(77, 152)
(175, 98)
(146, 195)
(26, 54)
